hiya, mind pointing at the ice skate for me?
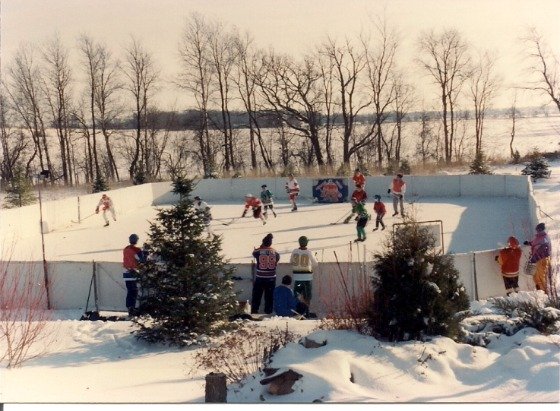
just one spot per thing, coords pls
(395, 213)
(106, 224)
(375, 229)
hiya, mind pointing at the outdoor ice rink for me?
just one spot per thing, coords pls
(469, 224)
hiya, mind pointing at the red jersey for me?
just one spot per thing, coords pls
(131, 256)
(359, 179)
(509, 261)
(379, 208)
(359, 196)
(252, 202)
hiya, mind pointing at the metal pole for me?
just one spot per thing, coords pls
(95, 298)
(45, 266)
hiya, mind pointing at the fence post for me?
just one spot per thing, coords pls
(215, 390)
(474, 276)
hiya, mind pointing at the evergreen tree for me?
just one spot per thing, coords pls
(416, 288)
(187, 291)
(479, 165)
(99, 185)
(20, 191)
(537, 167)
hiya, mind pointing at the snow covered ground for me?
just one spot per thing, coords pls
(98, 362)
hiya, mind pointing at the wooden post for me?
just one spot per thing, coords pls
(216, 390)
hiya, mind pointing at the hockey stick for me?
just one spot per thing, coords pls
(79, 221)
(341, 218)
(230, 221)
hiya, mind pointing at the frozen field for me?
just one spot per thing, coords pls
(469, 224)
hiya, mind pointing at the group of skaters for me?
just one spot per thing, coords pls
(359, 198)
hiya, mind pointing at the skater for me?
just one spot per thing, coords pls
(358, 196)
(303, 261)
(540, 255)
(359, 178)
(292, 188)
(398, 188)
(106, 204)
(508, 259)
(361, 221)
(265, 275)
(203, 209)
(256, 205)
(132, 256)
(380, 211)
(286, 304)
(266, 199)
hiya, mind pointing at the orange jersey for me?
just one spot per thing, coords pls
(359, 179)
(398, 186)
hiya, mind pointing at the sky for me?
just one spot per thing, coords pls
(290, 26)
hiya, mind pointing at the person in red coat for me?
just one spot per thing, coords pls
(508, 259)
(359, 178)
(256, 204)
(380, 211)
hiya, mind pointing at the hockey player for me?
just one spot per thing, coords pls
(358, 196)
(540, 255)
(361, 221)
(265, 275)
(132, 256)
(106, 204)
(303, 261)
(359, 178)
(380, 211)
(398, 188)
(203, 209)
(292, 188)
(266, 198)
(256, 205)
(508, 259)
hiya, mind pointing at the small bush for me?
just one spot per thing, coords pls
(537, 167)
(479, 165)
(20, 192)
(243, 352)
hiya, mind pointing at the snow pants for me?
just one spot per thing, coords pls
(541, 274)
(260, 286)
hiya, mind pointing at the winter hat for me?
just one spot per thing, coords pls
(197, 198)
(263, 186)
(540, 227)
(399, 175)
(303, 240)
(512, 242)
(133, 239)
(267, 240)
(377, 197)
(287, 280)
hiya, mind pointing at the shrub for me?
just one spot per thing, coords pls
(416, 289)
(537, 167)
(479, 165)
(243, 352)
(20, 191)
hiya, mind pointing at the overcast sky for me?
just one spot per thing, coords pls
(291, 26)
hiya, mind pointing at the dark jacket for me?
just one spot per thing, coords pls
(284, 301)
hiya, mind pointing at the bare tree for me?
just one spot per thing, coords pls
(512, 113)
(483, 86)
(348, 64)
(426, 146)
(142, 76)
(107, 104)
(381, 52)
(293, 91)
(13, 143)
(24, 90)
(445, 58)
(223, 55)
(196, 77)
(545, 66)
(404, 99)
(247, 66)
(58, 92)
(91, 55)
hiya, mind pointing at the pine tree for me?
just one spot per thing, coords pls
(99, 185)
(187, 291)
(537, 167)
(479, 165)
(20, 191)
(416, 289)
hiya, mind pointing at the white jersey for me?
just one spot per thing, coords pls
(292, 185)
(201, 206)
(302, 262)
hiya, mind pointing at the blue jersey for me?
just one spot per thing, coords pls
(266, 197)
(267, 260)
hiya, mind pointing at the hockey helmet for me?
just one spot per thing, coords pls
(248, 195)
(197, 198)
(133, 239)
(303, 240)
(512, 242)
(263, 186)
